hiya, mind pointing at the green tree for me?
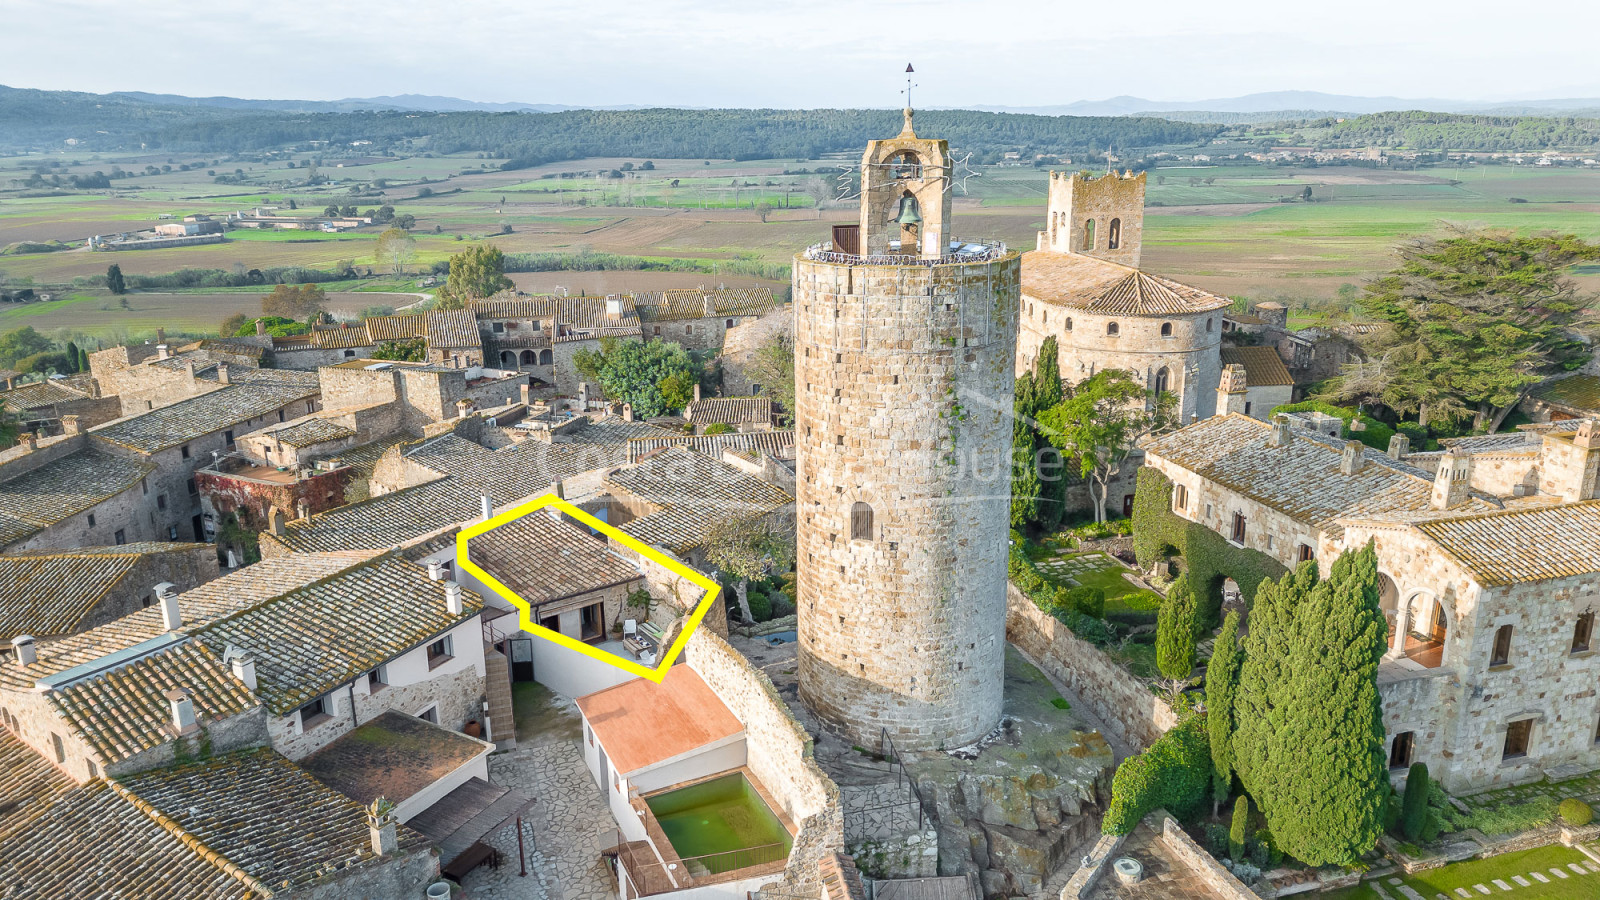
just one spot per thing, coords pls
(21, 343)
(1414, 809)
(749, 547)
(676, 390)
(114, 280)
(475, 273)
(73, 357)
(634, 371)
(1315, 763)
(1101, 422)
(1053, 481)
(1172, 773)
(408, 350)
(1176, 628)
(1239, 829)
(1472, 322)
(1025, 484)
(772, 367)
(83, 359)
(10, 428)
(396, 248)
(290, 302)
(1222, 684)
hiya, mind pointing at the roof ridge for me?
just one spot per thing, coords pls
(189, 840)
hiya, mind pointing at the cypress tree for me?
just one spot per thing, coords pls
(1414, 809)
(114, 279)
(1047, 388)
(1259, 704)
(1328, 786)
(1024, 472)
(1239, 829)
(1222, 685)
(83, 359)
(1175, 632)
(72, 357)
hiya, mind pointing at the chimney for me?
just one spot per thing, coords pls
(1353, 458)
(161, 336)
(452, 598)
(69, 425)
(486, 506)
(244, 668)
(30, 441)
(381, 827)
(222, 374)
(161, 351)
(261, 328)
(697, 393)
(171, 616)
(435, 570)
(1587, 437)
(613, 307)
(1399, 446)
(1281, 435)
(302, 510)
(711, 304)
(1452, 484)
(23, 649)
(583, 395)
(1232, 390)
(627, 412)
(183, 720)
(526, 392)
(275, 521)
(463, 408)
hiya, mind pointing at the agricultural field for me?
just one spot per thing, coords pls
(1242, 230)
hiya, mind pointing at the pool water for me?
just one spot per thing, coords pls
(718, 816)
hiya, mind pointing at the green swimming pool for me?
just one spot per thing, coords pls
(720, 825)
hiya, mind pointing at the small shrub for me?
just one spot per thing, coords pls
(1414, 809)
(1060, 703)
(1216, 840)
(1090, 601)
(719, 428)
(1575, 812)
(1239, 830)
(760, 605)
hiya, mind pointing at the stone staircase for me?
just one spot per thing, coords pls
(497, 688)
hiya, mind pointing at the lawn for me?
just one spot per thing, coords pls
(1486, 872)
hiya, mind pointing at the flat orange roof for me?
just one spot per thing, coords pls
(641, 723)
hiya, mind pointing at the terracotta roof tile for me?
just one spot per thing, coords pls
(194, 417)
(453, 328)
(691, 493)
(643, 724)
(691, 303)
(545, 559)
(730, 411)
(1096, 285)
(28, 784)
(309, 432)
(49, 592)
(1575, 392)
(1513, 546)
(35, 500)
(775, 443)
(1263, 367)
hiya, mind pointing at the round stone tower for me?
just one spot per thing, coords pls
(904, 361)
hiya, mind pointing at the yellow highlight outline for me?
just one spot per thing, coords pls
(712, 589)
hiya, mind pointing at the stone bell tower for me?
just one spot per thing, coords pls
(904, 360)
(905, 195)
(1100, 217)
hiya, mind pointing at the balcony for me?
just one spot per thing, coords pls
(959, 252)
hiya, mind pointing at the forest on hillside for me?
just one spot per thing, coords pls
(1441, 131)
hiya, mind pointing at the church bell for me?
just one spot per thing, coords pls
(908, 211)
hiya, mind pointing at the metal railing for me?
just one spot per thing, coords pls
(817, 253)
(925, 812)
(652, 874)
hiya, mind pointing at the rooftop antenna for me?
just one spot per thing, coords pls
(909, 85)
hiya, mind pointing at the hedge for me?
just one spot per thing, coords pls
(1026, 577)
(1175, 773)
(1210, 557)
(1376, 435)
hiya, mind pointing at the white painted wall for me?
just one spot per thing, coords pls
(713, 759)
(570, 673)
(477, 767)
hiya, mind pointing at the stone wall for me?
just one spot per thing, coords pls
(741, 343)
(1221, 882)
(1267, 530)
(1123, 703)
(1074, 199)
(399, 875)
(904, 381)
(779, 753)
(458, 697)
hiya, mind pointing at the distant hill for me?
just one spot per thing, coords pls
(406, 102)
(1294, 104)
(1442, 131)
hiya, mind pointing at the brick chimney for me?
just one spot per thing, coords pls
(452, 598)
(69, 425)
(1232, 390)
(1281, 435)
(275, 521)
(463, 408)
(30, 441)
(1452, 484)
(23, 649)
(627, 412)
(381, 827)
(244, 668)
(1399, 446)
(697, 393)
(171, 616)
(1353, 458)
(222, 374)
(711, 304)
(182, 708)
(526, 393)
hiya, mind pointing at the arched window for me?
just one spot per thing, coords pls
(1501, 655)
(1166, 329)
(1163, 380)
(1069, 323)
(1112, 328)
(1114, 234)
(507, 358)
(1209, 323)
(1088, 234)
(860, 522)
(528, 357)
(545, 357)
(905, 164)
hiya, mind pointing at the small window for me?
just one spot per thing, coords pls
(94, 772)
(377, 680)
(1208, 510)
(60, 748)
(1502, 647)
(314, 714)
(1180, 498)
(730, 323)
(146, 601)
(1044, 317)
(311, 406)
(439, 652)
(1247, 407)
(1114, 235)
(498, 328)
(227, 437)
(144, 487)
(656, 330)
(1111, 328)
(281, 413)
(1088, 234)
(688, 329)
(1518, 737)
(1069, 323)
(1583, 633)
(1307, 553)
(161, 501)
(348, 354)
(431, 714)
(185, 451)
(91, 520)
(1166, 329)
(1400, 750)
(193, 488)
(1238, 528)
(860, 522)
(121, 536)
(1208, 325)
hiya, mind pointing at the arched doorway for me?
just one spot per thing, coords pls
(528, 357)
(507, 359)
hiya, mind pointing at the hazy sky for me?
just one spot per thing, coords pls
(818, 53)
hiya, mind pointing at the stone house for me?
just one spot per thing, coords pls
(249, 824)
(67, 492)
(538, 335)
(450, 337)
(741, 344)
(1083, 285)
(738, 413)
(179, 439)
(1574, 396)
(50, 407)
(700, 319)
(50, 593)
(1267, 382)
(1488, 578)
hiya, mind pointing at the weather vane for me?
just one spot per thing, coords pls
(909, 85)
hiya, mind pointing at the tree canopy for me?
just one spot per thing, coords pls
(656, 377)
(1101, 422)
(300, 303)
(475, 273)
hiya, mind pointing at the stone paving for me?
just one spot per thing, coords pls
(1585, 787)
(568, 826)
(1396, 886)
(1166, 877)
(1066, 568)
